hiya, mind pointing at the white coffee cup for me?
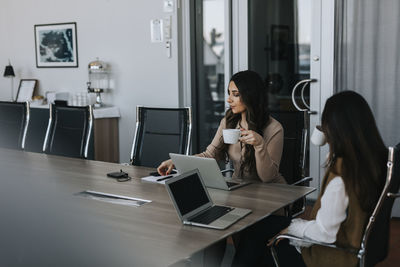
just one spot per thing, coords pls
(318, 137)
(231, 136)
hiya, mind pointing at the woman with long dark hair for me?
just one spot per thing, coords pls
(258, 154)
(354, 179)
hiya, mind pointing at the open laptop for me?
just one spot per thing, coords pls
(194, 205)
(208, 168)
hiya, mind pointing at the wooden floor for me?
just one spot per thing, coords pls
(393, 259)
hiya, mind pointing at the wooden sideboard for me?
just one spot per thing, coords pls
(106, 141)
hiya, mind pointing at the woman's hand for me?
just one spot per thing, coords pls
(165, 167)
(250, 137)
(283, 232)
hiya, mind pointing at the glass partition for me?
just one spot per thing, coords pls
(279, 46)
(208, 93)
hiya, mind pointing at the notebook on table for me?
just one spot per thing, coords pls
(194, 205)
(208, 168)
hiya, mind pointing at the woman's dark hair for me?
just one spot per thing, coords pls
(352, 134)
(253, 94)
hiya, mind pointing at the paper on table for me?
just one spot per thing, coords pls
(153, 179)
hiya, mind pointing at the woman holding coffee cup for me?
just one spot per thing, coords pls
(249, 137)
(247, 134)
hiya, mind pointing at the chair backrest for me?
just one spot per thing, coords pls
(14, 121)
(160, 131)
(375, 242)
(69, 130)
(293, 164)
(36, 133)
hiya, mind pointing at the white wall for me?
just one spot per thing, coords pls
(116, 31)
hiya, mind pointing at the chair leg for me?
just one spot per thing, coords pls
(362, 263)
(303, 208)
(274, 256)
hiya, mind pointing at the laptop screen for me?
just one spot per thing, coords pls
(189, 193)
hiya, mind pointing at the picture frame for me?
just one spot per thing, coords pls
(280, 38)
(56, 45)
(25, 90)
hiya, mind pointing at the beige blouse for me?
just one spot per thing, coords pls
(268, 155)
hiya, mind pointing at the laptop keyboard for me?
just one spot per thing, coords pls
(211, 214)
(230, 184)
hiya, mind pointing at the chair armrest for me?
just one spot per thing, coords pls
(227, 170)
(313, 242)
(227, 173)
(393, 195)
(305, 179)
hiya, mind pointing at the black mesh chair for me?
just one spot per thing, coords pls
(69, 131)
(160, 131)
(38, 120)
(375, 241)
(294, 163)
(14, 121)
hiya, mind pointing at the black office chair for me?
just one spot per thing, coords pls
(14, 121)
(36, 133)
(293, 165)
(293, 162)
(69, 131)
(375, 241)
(160, 131)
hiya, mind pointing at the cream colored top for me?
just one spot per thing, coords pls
(268, 155)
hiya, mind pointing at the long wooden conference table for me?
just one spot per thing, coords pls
(45, 223)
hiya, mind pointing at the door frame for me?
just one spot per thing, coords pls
(236, 59)
(185, 63)
(322, 62)
(187, 50)
(322, 65)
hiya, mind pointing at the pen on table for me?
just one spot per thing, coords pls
(164, 178)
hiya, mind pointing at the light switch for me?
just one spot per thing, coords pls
(156, 30)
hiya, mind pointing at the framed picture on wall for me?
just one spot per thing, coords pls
(56, 45)
(25, 89)
(280, 42)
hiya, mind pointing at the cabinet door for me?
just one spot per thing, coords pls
(105, 140)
